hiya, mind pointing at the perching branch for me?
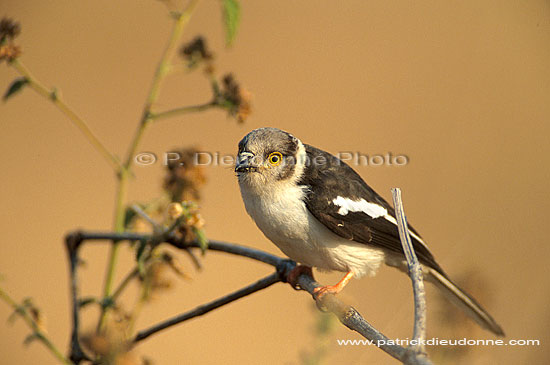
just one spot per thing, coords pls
(349, 316)
(353, 320)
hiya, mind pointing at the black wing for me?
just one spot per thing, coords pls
(327, 177)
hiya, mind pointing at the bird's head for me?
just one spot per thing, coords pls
(267, 156)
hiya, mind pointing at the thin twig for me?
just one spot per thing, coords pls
(138, 306)
(124, 283)
(183, 110)
(180, 22)
(205, 308)
(194, 259)
(136, 208)
(77, 121)
(415, 273)
(37, 332)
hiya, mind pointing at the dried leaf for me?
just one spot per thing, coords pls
(86, 301)
(140, 257)
(129, 216)
(175, 265)
(201, 239)
(30, 338)
(15, 87)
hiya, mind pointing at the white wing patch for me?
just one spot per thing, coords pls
(346, 205)
(391, 219)
(373, 210)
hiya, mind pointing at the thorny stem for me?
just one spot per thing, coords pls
(181, 19)
(38, 333)
(77, 121)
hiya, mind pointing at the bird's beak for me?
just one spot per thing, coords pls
(245, 162)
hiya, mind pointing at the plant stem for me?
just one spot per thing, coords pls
(115, 248)
(131, 275)
(77, 121)
(34, 327)
(181, 20)
(183, 110)
(154, 225)
(137, 309)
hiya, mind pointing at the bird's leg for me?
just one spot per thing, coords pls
(292, 277)
(333, 289)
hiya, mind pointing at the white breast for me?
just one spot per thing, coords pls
(281, 214)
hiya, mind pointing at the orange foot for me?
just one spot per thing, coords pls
(332, 289)
(292, 278)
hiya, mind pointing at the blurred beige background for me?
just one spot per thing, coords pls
(462, 88)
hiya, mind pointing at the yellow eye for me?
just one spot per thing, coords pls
(275, 158)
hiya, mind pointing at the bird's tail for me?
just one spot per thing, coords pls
(459, 297)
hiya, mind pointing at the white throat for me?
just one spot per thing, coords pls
(279, 210)
(277, 207)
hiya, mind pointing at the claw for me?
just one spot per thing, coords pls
(321, 291)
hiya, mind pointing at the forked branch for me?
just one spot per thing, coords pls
(348, 315)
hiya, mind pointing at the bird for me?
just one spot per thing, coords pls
(320, 213)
